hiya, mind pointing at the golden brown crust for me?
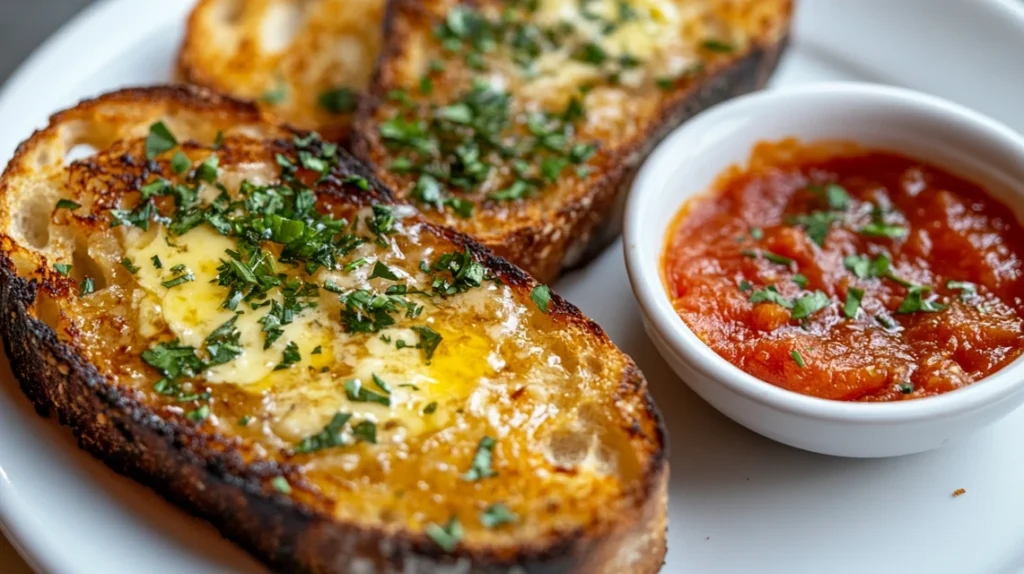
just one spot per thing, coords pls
(546, 236)
(284, 54)
(215, 476)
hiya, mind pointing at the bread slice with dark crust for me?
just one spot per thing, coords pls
(305, 61)
(613, 75)
(577, 455)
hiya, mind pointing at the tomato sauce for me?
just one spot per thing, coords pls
(850, 274)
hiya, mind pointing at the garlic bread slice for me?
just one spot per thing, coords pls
(521, 122)
(306, 61)
(240, 317)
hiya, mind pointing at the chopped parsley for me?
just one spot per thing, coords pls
(199, 415)
(807, 305)
(356, 392)
(773, 257)
(159, 140)
(382, 271)
(541, 296)
(448, 536)
(156, 262)
(339, 101)
(853, 299)
(745, 285)
(798, 358)
(496, 515)
(67, 204)
(365, 431)
(87, 287)
(429, 340)
(713, 45)
(127, 264)
(917, 300)
(280, 484)
(482, 461)
(62, 268)
(967, 290)
(906, 388)
(289, 356)
(430, 408)
(882, 229)
(800, 280)
(207, 171)
(276, 95)
(178, 280)
(886, 322)
(223, 344)
(180, 163)
(770, 295)
(330, 436)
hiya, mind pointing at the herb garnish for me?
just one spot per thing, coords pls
(798, 358)
(127, 264)
(159, 140)
(62, 268)
(541, 296)
(87, 287)
(773, 257)
(330, 436)
(496, 515)
(916, 301)
(807, 305)
(967, 290)
(853, 299)
(481, 466)
(289, 356)
(281, 485)
(339, 101)
(429, 340)
(448, 536)
(356, 392)
(67, 204)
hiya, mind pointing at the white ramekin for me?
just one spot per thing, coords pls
(687, 163)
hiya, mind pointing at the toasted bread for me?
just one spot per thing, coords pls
(306, 61)
(522, 122)
(247, 324)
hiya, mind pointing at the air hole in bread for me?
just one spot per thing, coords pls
(79, 151)
(280, 25)
(32, 219)
(568, 449)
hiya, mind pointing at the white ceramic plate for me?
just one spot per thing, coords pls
(739, 503)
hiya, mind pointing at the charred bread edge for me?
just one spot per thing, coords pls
(205, 475)
(580, 230)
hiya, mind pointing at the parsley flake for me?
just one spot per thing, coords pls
(482, 461)
(67, 204)
(541, 296)
(448, 536)
(496, 515)
(62, 268)
(853, 299)
(159, 140)
(330, 436)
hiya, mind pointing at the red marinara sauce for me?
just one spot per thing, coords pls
(850, 274)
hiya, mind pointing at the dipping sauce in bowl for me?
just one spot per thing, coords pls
(850, 274)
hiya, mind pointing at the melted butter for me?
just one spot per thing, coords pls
(302, 399)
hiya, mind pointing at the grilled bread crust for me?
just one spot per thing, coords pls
(286, 55)
(571, 220)
(224, 479)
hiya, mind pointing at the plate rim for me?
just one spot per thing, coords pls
(17, 523)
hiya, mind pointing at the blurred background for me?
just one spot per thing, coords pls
(24, 24)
